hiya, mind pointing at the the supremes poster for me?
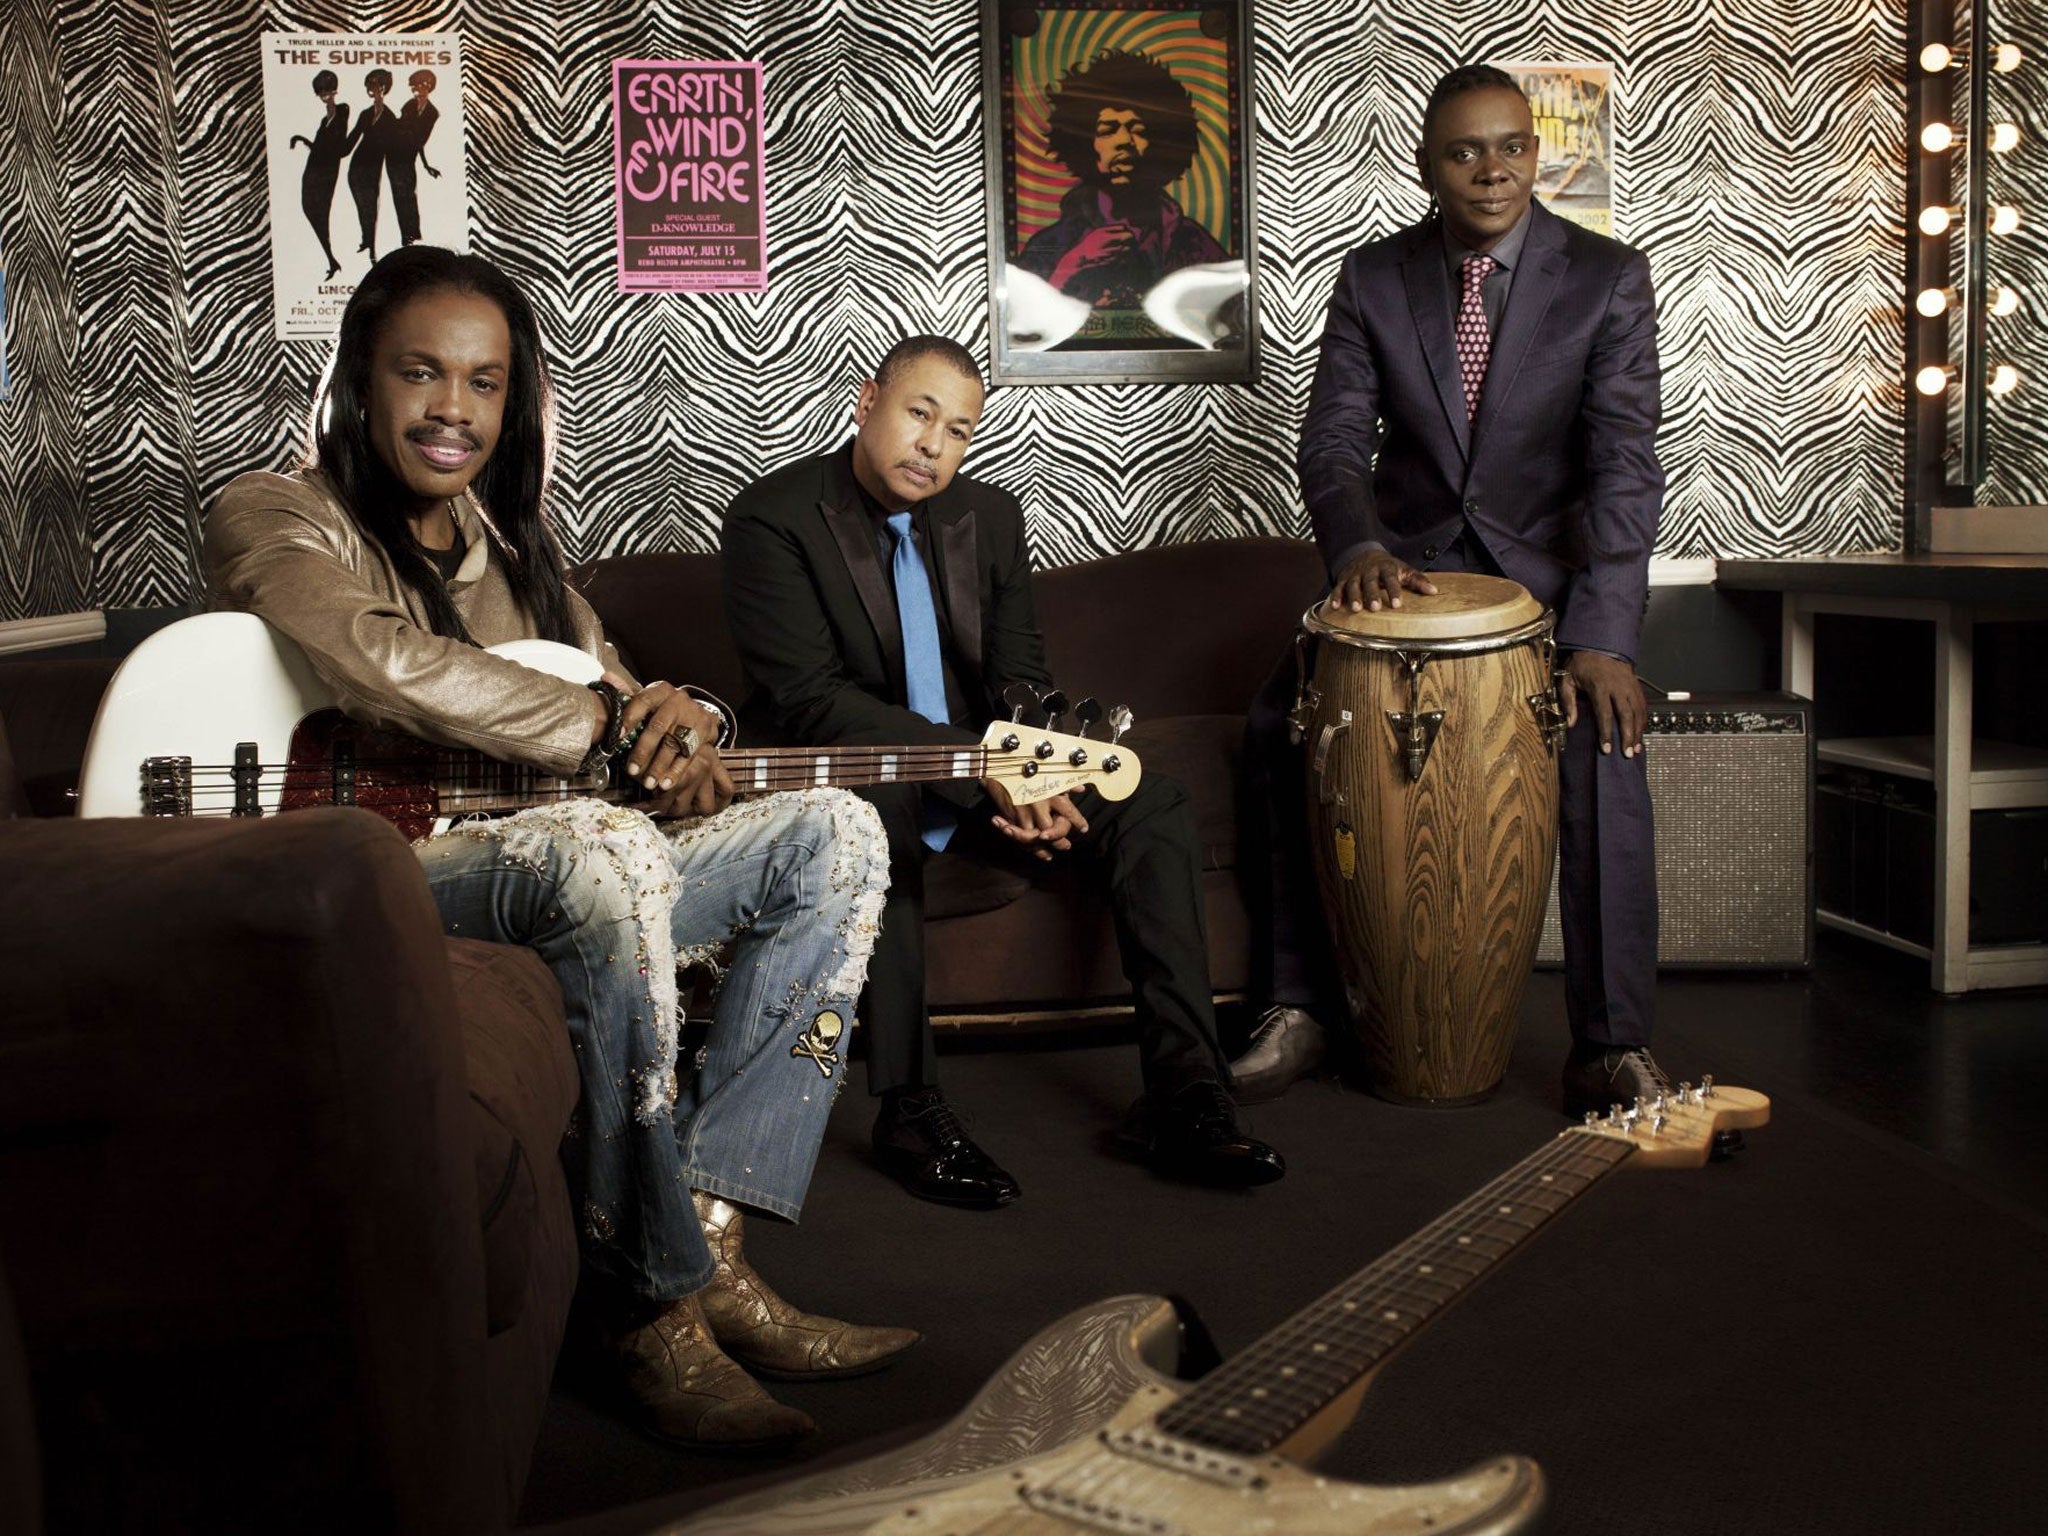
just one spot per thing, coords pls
(691, 211)
(366, 147)
(1574, 112)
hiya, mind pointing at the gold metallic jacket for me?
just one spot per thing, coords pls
(285, 549)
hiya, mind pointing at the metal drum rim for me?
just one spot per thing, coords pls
(1468, 645)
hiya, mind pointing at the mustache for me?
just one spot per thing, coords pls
(441, 434)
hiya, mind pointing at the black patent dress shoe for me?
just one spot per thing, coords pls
(920, 1142)
(1194, 1135)
(1287, 1046)
(1598, 1077)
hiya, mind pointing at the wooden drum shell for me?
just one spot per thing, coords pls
(1433, 887)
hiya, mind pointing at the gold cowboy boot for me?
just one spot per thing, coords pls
(767, 1334)
(690, 1392)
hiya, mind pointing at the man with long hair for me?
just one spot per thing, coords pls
(1126, 129)
(416, 533)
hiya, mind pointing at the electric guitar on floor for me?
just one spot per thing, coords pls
(220, 715)
(1084, 1431)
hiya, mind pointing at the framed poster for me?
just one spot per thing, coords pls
(367, 151)
(690, 205)
(1573, 105)
(1119, 191)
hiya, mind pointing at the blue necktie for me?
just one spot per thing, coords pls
(924, 676)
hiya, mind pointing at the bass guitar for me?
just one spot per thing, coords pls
(1085, 1432)
(220, 715)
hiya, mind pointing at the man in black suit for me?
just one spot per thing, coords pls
(1487, 400)
(876, 598)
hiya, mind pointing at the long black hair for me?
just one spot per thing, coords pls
(512, 486)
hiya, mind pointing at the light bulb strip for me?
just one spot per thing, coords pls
(1976, 248)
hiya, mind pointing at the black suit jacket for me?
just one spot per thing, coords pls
(813, 614)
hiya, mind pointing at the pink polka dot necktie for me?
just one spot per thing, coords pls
(1475, 341)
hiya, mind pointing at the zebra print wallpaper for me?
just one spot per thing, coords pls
(1760, 141)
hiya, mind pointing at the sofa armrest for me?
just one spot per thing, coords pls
(49, 708)
(237, 1201)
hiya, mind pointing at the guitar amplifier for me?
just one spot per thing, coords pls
(1731, 787)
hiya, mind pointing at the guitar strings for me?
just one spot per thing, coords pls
(1255, 1400)
(461, 782)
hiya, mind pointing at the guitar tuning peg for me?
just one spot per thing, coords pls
(1055, 706)
(1087, 712)
(1020, 697)
(1120, 720)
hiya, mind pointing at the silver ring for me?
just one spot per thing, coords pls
(684, 739)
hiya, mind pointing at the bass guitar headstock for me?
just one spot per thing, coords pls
(1684, 1128)
(1035, 763)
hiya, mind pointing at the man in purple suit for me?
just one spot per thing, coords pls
(1486, 400)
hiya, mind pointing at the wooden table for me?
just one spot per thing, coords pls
(1954, 593)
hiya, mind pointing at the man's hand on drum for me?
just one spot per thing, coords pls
(1044, 826)
(683, 783)
(1376, 580)
(1611, 692)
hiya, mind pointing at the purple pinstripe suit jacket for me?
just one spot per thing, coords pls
(1558, 475)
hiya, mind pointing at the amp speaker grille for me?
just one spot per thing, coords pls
(1731, 786)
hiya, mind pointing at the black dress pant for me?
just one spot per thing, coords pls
(1142, 853)
(1607, 879)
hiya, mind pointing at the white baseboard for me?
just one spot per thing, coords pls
(52, 629)
(1671, 571)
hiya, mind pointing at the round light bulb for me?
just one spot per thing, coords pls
(2004, 219)
(2005, 302)
(1935, 220)
(2004, 379)
(2006, 58)
(1931, 380)
(1936, 137)
(2005, 138)
(1931, 302)
(1935, 57)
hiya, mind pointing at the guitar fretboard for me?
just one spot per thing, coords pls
(1255, 1401)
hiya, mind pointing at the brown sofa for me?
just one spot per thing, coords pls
(1182, 634)
(280, 1216)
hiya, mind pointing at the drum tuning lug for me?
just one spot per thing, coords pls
(1020, 697)
(1549, 718)
(1417, 734)
(1592, 1118)
(1298, 718)
(1087, 712)
(1120, 719)
(1055, 706)
(1706, 1086)
(1322, 757)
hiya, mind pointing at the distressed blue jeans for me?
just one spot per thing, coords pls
(614, 903)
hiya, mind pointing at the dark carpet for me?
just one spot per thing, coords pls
(1837, 1331)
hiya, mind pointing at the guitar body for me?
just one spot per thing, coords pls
(203, 686)
(1060, 1441)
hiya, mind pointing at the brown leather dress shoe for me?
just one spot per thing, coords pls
(1287, 1046)
(689, 1392)
(768, 1335)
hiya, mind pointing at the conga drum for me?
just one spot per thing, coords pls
(1430, 735)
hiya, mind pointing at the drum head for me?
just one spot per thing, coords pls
(1466, 606)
